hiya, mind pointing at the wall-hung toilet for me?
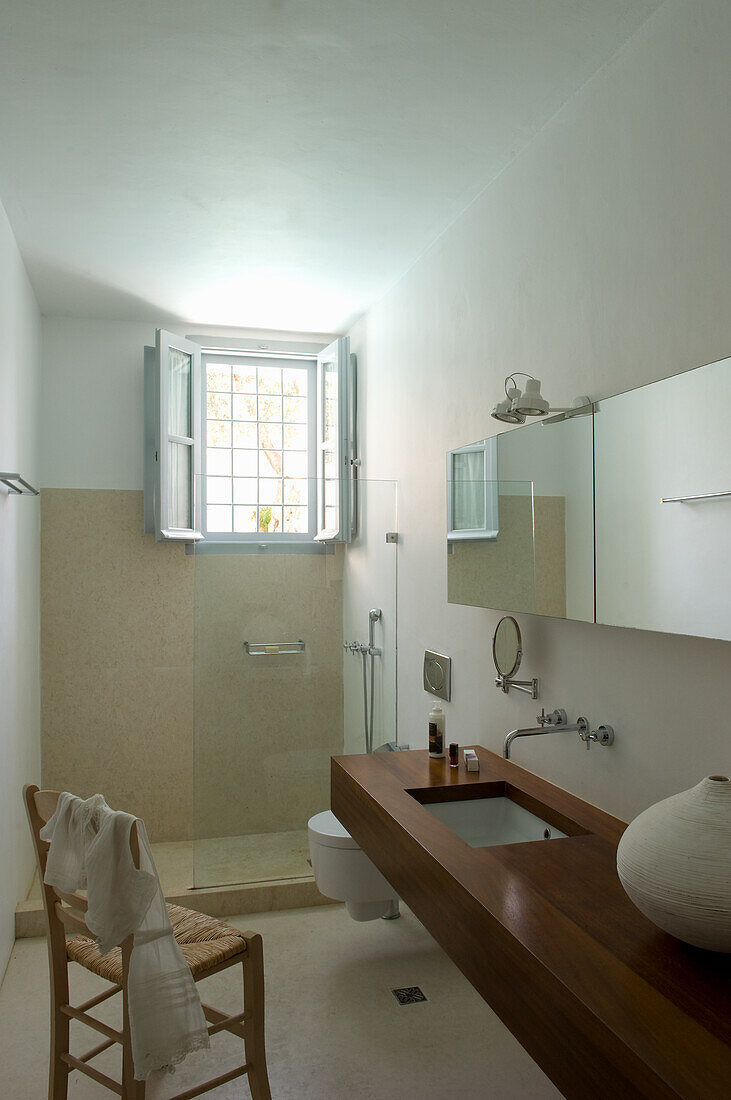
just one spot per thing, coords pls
(345, 873)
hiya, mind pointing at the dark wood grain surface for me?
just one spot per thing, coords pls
(606, 1003)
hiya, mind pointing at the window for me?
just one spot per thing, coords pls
(259, 458)
(248, 446)
(472, 491)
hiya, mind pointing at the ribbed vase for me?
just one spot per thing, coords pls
(674, 861)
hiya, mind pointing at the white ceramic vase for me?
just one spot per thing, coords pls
(674, 861)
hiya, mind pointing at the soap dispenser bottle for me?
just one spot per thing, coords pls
(437, 732)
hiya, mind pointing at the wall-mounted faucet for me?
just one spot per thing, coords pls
(556, 722)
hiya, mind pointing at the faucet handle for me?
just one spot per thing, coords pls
(543, 719)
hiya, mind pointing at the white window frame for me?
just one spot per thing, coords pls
(157, 475)
(490, 528)
(157, 439)
(337, 355)
(258, 358)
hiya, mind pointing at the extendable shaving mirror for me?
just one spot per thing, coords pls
(507, 653)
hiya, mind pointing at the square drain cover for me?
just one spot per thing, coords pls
(409, 995)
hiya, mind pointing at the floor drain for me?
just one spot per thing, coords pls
(409, 995)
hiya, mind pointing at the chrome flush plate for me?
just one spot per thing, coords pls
(438, 674)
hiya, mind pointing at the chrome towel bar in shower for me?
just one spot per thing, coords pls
(266, 649)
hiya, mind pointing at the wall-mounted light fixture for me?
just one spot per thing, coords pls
(516, 406)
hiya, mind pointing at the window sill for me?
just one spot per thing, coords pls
(234, 547)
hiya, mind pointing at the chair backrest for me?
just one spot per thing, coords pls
(63, 911)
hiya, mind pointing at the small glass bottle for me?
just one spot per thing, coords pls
(453, 755)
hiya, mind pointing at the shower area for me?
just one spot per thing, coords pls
(295, 660)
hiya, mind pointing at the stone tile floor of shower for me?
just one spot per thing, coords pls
(226, 860)
(334, 1027)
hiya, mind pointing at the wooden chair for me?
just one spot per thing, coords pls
(208, 945)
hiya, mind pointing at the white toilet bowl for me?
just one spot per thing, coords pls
(344, 872)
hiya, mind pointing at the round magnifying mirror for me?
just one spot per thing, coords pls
(507, 647)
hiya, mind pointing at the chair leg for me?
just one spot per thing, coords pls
(58, 1071)
(253, 966)
(58, 1075)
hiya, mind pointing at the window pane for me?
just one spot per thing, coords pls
(218, 406)
(295, 437)
(179, 369)
(295, 521)
(330, 402)
(244, 407)
(330, 464)
(295, 492)
(331, 519)
(332, 494)
(270, 408)
(218, 490)
(218, 462)
(244, 520)
(245, 490)
(270, 436)
(245, 464)
(295, 410)
(218, 378)
(245, 435)
(179, 511)
(295, 464)
(294, 382)
(270, 463)
(218, 433)
(244, 381)
(270, 490)
(270, 520)
(218, 518)
(270, 380)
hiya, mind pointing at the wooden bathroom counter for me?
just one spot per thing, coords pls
(606, 1003)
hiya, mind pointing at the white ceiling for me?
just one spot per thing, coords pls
(267, 164)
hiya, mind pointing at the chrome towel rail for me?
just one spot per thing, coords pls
(18, 485)
(267, 649)
(699, 496)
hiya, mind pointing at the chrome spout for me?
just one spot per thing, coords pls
(555, 722)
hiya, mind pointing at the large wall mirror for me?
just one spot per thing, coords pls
(639, 491)
(538, 554)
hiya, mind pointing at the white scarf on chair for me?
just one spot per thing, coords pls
(89, 849)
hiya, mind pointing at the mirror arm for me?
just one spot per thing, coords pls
(530, 687)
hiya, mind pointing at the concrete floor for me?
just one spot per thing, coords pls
(334, 1028)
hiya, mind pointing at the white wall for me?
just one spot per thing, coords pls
(598, 260)
(19, 579)
(92, 403)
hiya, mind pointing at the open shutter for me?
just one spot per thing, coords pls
(173, 384)
(335, 397)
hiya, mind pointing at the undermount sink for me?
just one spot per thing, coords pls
(484, 822)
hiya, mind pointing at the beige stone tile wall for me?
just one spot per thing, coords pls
(523, 570)
(116, 658)
(117, 655)
(266, 726)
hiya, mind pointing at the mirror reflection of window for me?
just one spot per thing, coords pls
(469, 496)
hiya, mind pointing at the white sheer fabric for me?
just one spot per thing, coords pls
(89, 849)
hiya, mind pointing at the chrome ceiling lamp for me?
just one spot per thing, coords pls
(516, 406)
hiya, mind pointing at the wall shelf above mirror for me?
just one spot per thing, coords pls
(621, 517)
